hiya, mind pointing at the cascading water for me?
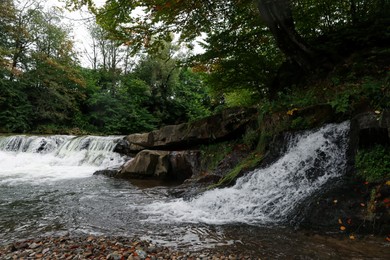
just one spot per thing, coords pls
(47, 188)
(267, 195)
(37, 159)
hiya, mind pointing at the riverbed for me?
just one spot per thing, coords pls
(48, 190)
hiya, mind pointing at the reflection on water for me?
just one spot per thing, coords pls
(102, 206)
(47, 188)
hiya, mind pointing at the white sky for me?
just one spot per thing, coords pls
(78, 22)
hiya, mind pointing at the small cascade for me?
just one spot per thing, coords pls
(96, 150)
(32, 144)
(267, 195)
(38, 158)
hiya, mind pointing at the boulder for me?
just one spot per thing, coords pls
(372, 128)
(146, 164)
(184, 164)
(122, 147)
(107, 172)
(176, 165)
(138, 142)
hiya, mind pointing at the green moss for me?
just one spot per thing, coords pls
(248, 163)
(373, 164)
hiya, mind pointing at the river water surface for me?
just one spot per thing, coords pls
(47, 188)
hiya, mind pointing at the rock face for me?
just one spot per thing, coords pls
(159, 154)
(184, 164)
(167, 165)
(146, 164)
(368, 129)
(218, 127)
(372, 128)
(347, 201)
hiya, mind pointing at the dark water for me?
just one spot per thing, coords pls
(47, 188)
(102, 206)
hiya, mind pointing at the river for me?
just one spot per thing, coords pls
(47, 188)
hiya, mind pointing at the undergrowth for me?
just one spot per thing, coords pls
(361, 83)
(373, 164)
(249, 163)
(214, 153)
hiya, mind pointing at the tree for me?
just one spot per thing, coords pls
(191, 18)
(277, 15)
(15, 110)
(240, 55)
(40, 82)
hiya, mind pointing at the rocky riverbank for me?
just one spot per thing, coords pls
(107, 248)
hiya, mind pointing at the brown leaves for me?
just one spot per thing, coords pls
(291, 111)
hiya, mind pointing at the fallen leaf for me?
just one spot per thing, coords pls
(342, 228)
(377, 112)
(388, 183)
(291, 112)
(335, 201)
(340, 221)
(352, 237)
(362, 204)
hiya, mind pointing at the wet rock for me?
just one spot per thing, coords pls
(228, 124)
(139, 142)
(34, 245)
(372, 129)
(184, 164)
(142, 254)
(146, 164)
(177, 165)
(107, 172)
(122, 147)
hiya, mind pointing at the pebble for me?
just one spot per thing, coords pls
(101, 248)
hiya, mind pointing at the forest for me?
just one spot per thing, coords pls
(143, 74)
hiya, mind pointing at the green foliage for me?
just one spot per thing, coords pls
(15, 110)
(177, 93)
(341, 102)
(241, 98)
(316, 18)
(120, 110)
(241, 55)
(373, 164)
(250, 162)
(299, 123)
(251, 137)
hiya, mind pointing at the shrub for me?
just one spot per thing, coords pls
(373, 164)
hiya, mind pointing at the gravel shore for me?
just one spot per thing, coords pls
(96, 247)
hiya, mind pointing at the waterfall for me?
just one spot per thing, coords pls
(267, 195)
(40, 158)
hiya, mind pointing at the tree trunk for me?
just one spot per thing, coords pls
(277, 15)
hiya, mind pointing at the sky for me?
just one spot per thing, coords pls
(78, 20)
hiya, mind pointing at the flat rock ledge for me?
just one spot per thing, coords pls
(226, 125)
(107, 248)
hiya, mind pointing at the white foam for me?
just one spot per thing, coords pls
(266, 195)
(36, 159)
